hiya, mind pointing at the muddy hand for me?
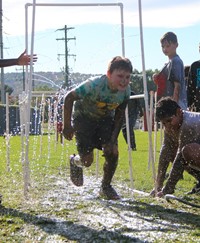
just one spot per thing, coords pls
(68, 133)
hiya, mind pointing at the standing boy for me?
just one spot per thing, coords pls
(184, 125)
(97, 119)
(175, 87)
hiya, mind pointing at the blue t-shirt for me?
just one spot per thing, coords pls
(175, 70)
(97, 100)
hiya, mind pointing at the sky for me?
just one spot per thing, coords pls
(94, 33)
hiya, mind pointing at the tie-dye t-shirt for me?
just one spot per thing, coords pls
(97, 100)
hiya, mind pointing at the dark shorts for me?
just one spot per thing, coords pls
(91, 134)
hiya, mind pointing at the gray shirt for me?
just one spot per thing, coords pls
(175, 72)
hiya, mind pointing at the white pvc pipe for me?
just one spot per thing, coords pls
(7, 133)
(137, 96)
(34, 4)
(129, 147)
(85, 5)
(7, 113)
(74, 4)
(128, 139)
(155, 128)
(28, 104)
(55, 121)
(145, 87)
(22, 123)
(150, 128)
(42, 111)
(122, 28)
(49, 127)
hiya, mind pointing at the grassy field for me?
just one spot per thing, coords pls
(49, 162)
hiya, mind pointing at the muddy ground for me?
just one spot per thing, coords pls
(61, 212)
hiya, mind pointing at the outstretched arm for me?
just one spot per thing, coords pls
(174, 176)
(167, 155)
(22, 60)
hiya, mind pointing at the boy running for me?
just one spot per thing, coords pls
(99, 107)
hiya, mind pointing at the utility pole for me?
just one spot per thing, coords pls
(66, 39)
(1, 55)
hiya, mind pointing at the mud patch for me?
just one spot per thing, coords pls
(65, 213)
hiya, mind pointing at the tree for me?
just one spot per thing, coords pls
(137, 82)
(7, 89)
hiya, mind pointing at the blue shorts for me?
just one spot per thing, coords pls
(91, 134)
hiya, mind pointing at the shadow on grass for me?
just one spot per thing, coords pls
(69, 229)
(153, 213)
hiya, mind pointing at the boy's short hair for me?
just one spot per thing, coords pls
(170, 37)
(119, 62)
(166, 107)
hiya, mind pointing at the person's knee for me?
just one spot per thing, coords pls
(186, 152)
(87, 159)
(191, 154)
(112, 156)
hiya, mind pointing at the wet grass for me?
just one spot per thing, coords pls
(55, 211)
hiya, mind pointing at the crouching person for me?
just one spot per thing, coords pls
(184, 127)
(99, 105)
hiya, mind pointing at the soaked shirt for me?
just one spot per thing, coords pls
(97, 100)
(190, 129)
(189, 132)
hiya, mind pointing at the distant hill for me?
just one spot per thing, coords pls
(51, 80)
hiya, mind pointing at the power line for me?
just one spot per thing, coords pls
(66, 39)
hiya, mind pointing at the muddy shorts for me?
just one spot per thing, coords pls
(91, 134)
